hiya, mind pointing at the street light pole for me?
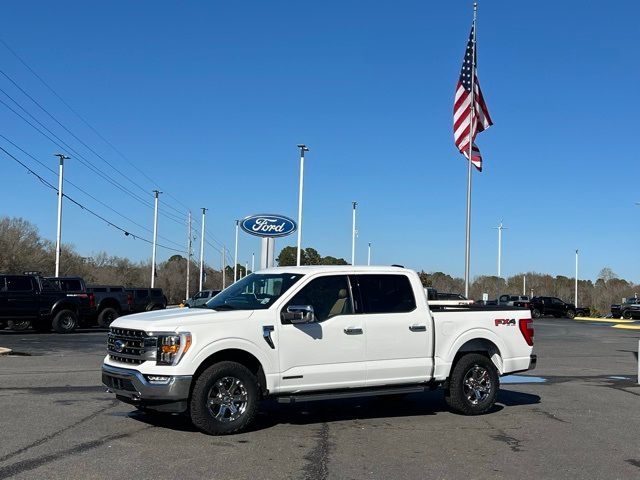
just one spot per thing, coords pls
(369, 255)
(303, 148)
(500, 227)
(576, 292)
(189, 238)
(353, 235)
(224, 267)
(235, 256)
(204, 213)
(156, 193)
(253, 262)
(62, 158)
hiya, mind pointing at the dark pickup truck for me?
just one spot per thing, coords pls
(628, 309)
(111, 302)
(32, 299)
(146, 299)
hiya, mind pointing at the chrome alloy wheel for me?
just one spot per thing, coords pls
(227, 399)
(477, 385)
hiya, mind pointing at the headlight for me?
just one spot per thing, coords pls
(172, 347)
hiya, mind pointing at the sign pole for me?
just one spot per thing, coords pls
(62, 158)
(235, 256)
(353, 235)
(155, 237)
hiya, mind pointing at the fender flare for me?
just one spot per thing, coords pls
(479, 334)
(233, 343)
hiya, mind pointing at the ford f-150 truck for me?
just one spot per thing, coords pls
(311, 333)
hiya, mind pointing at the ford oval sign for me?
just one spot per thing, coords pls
(267, 225)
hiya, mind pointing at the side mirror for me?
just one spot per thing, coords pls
(299, 314)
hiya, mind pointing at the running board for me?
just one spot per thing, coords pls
(334, 395)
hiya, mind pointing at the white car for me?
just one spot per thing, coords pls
(312, 333)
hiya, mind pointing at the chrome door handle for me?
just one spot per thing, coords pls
(353, 331)
(418, 328)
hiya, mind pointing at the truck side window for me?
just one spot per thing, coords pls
(19, 284)
(329, 296)
(386, 293)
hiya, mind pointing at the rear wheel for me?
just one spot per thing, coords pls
(18, 325)
(225, 399)
(65, 321)
(106, 316)
(473, 385)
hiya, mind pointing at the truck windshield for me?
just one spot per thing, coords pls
(254, 292)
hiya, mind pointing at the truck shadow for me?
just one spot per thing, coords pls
(383, 408)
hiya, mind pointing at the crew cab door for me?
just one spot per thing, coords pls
(21, 300)
(398, 329)
(327, 353)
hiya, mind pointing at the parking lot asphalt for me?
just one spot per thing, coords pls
(576, 416)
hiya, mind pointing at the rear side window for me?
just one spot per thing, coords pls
(67, 285)
(386, 293)
(19, 284)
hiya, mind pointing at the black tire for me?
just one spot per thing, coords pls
(65, 321)
(627, 315)
(106, 316)
(479, 371)
(571, 314)
(535, 313)
(243, 395)
(18, 325)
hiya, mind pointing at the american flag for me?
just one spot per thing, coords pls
(462, 108)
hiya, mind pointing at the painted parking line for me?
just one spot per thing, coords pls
(604, 320)
(627, 327)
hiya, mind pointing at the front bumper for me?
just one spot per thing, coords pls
(132, 387)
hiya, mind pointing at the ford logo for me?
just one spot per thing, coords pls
(119, 346)
(267, 225)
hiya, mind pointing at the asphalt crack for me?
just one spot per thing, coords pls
(317, 467)
(514, 444)
(53, 435)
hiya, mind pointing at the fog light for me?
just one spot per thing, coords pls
(159, 379)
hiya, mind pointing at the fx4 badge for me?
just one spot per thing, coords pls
(505, 321)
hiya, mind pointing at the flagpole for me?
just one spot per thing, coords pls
(467, 253)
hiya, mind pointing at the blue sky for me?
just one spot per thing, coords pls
(209, 99)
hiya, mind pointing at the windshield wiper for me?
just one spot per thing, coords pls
(224, 306)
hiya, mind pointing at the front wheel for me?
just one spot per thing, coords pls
(225, 399)
(627, 315)
(535, 313)
(571, 314)
(65, 321)
(473, 385)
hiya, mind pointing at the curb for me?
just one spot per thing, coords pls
(4, 351)
(603, 320)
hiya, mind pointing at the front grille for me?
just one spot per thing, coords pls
(130, 346)
(118, 383)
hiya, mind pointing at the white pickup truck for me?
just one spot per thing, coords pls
(313, 333)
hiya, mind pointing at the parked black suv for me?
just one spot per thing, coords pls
(32, 299)
(146, 299)
(554, 306)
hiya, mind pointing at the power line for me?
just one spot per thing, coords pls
(93, 129)
(83, 207)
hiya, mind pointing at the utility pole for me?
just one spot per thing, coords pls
(188, 252)
(224, 267)
(204, 213)
(576, 292)
(235, 256)
(62, 158)
(369, 255)
(500, 228)
(303, 148)
(156, 193)
(353, 235)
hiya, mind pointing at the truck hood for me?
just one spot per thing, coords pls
(174, 318)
